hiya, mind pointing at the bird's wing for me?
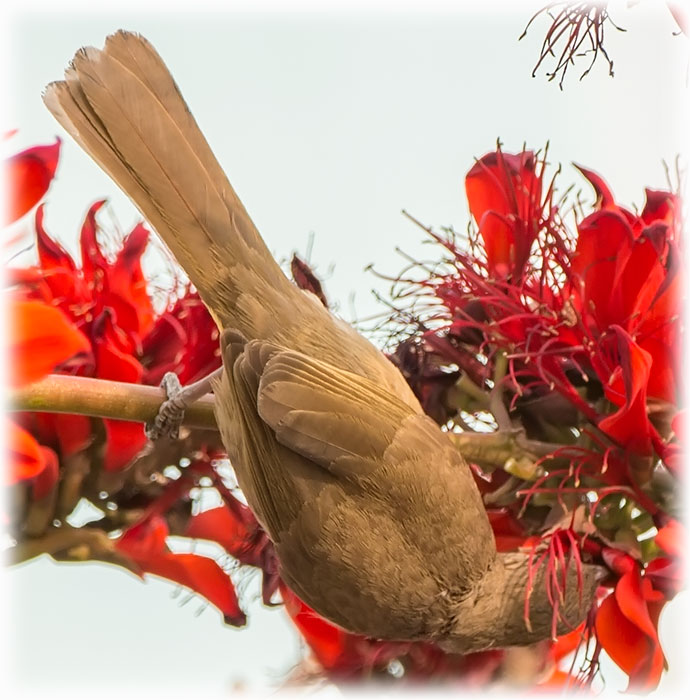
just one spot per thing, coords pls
(294, 425)
(337, 419)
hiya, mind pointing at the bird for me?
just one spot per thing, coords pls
(376, 519)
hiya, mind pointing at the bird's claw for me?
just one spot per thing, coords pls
(170, 415)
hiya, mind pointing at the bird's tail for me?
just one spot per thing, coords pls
(123, 107)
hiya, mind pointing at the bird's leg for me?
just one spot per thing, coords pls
(171, 413)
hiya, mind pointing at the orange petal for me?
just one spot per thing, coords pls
(26, 458)
(671, 538)
(622, 640)
(42, 337)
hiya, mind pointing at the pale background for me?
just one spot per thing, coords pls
(331, 123)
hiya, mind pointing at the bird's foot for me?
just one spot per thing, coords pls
(171, 413)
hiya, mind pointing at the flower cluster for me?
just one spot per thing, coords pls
(569, 340)
(97, 320)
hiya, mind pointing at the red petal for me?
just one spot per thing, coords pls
(671, 538)
(659, 334)
(187, 342)
(163, 348)
(504, 197)
(618, 561)
(660, 206)
(93, 261)
(567, 643)
(145, 544)
(125, 439)
(203, 576)
(42, 338)
(665, 576)
(58, 268)
(499, 243)
(105, 333)
(28, 176)
(639, 283)
(504, 522)
(221, 526)
(26, 458)
(119, 287)
(145, 539)
(326, 641)
(646, 676)
(631, 602)
(126, 280)
(50, 253)
(604, 244)
(622, 640)
(74, 433)
(604, 196)
(67, 434)
(630, 424)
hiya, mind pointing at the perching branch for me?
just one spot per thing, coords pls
(102, 398)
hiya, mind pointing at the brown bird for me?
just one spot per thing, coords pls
(375, 516)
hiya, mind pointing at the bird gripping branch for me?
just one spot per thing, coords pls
(375, 516)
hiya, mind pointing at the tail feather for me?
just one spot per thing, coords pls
(143, 61)
(123, 107)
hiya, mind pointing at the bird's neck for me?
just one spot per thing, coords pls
(493, 615)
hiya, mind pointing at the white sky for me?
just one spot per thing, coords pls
(328, 123)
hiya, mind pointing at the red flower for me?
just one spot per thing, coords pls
(145, 544)
(504, 193)
(589, 328)
(41, 339)
(624, 271)
(626, 626)
(107, 302)
(624, 370)
(29, 175)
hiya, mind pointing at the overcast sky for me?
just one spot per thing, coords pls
(327, 124)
